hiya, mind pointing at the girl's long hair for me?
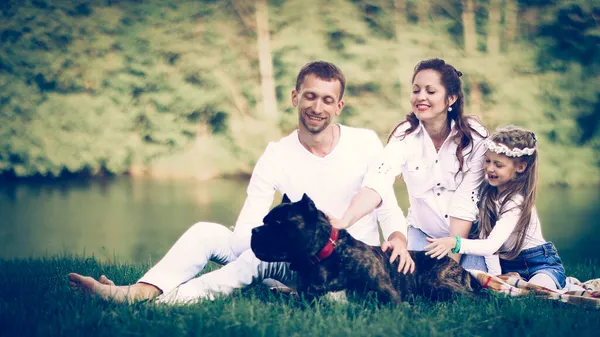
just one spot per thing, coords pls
(450, 78)
(524, 184)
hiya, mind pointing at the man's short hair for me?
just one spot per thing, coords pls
(323, 70)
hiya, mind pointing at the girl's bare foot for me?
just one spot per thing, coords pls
(107, 290)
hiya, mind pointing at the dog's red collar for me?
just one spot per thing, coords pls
(329, 246)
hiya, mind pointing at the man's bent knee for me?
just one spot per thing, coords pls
(209, 231)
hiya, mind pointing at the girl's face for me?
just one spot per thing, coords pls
(500, 169)
(428, 97)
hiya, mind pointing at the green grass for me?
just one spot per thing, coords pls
(35, 299)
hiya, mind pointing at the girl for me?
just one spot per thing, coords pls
(508, 221)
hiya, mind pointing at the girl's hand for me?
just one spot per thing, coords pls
(438, 248)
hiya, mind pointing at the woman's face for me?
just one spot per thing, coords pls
(428, 97)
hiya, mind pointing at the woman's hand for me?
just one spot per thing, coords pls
(400, 251)
(438, 248)
(362, 204)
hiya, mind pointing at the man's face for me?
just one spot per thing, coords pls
(317, 102)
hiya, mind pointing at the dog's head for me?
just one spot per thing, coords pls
(292, 231)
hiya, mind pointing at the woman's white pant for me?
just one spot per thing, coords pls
(203, 242)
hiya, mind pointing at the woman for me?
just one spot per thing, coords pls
(440, 152)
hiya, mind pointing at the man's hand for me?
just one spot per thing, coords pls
(438, 248)
(400, 251)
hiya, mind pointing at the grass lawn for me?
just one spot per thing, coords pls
(35, 299)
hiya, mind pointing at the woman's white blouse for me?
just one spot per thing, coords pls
(436, 189)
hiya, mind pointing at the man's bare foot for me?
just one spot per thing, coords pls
(107, 290)
(105, 280)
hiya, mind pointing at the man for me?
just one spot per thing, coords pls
(327, 161)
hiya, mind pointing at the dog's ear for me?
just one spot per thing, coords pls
(286, 199)
(308, 203)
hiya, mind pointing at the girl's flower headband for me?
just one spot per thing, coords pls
(503, 149)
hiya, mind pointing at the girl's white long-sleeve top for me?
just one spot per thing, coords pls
(331, 181)
(502, 237)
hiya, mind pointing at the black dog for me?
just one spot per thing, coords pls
(330, 260)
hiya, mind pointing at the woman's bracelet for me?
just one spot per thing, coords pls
(456, 248)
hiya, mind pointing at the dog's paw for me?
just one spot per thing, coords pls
(337, 297)
(285, 291)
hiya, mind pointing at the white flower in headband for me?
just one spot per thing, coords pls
(503, 149)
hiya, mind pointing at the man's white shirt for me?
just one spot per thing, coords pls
(331, 182)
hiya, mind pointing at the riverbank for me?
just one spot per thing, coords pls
(173, 90)
(210, 158)
(35, 300)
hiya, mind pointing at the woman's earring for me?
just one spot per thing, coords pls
(449, 109)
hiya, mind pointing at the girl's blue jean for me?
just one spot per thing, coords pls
(540, 259)
(417, 241)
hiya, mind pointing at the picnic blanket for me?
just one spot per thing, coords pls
(575, 292)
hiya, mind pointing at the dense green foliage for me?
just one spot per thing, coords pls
(35, 300)
(570, 41)
(104, 86)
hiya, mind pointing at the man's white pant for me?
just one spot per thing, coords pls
(244, 271)
(203, 242)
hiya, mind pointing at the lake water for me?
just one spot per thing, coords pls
(137, 220)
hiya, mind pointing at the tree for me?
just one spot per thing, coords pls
(400, 21)
(493, 38)
(423, 11)
(510, 22)
(470, 40)
(266, 63)
(570, 48)
(174, 88)
(469, 33)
